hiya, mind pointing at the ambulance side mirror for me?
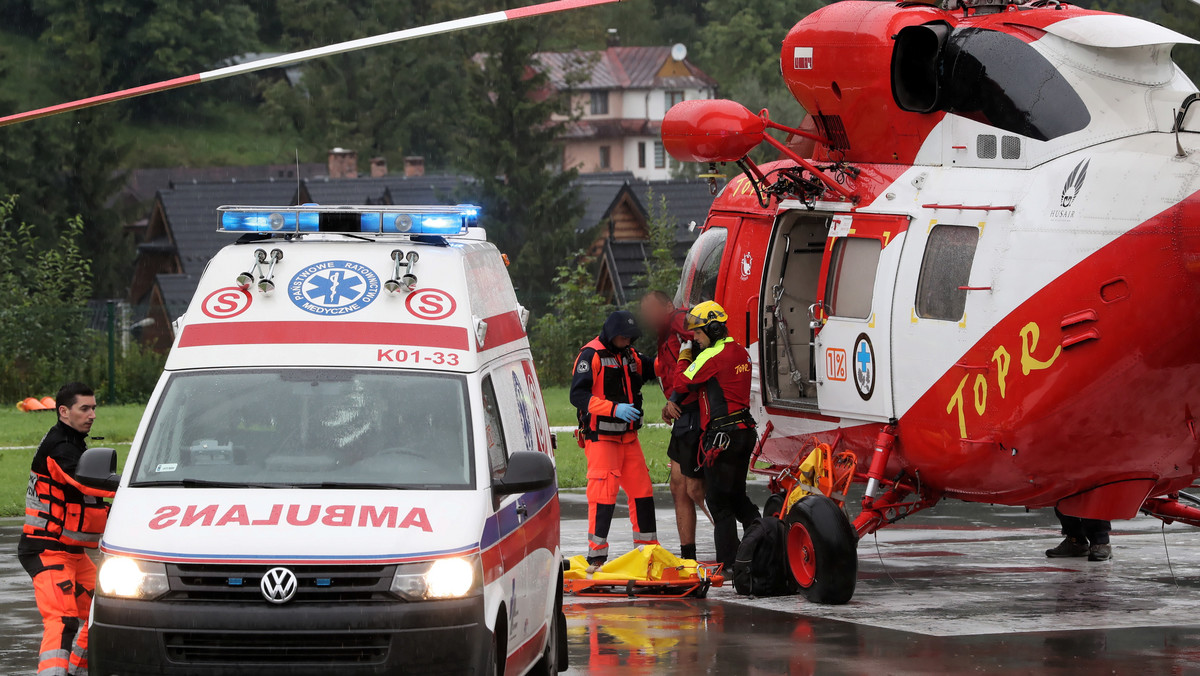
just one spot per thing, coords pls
(98, 469)
(527, 471)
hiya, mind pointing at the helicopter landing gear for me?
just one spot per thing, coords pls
(821, 550)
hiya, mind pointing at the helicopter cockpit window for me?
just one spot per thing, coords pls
(949, 256)
(701, 268)
(850, 286)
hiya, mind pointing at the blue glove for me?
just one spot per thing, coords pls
(627, 413)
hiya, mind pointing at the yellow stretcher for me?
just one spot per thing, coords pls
(648, 570)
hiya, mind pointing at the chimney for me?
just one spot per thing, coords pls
(414, 165)
(343, 163)
(614, 38)
(378, 167)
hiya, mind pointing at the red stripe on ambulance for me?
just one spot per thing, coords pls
(502, 330)
(332, 333)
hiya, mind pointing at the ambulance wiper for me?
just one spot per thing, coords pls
(206, 483)
(354, 484)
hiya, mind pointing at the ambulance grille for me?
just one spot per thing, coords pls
(240, 583)
(202, 647)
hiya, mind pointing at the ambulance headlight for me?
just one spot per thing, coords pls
(454, 578)
(126, 578)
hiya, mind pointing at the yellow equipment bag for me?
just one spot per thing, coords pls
(812, 477)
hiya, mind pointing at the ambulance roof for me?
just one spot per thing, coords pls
(329, 286)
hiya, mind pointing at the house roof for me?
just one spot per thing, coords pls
(597, 192)
(325, 190)
(429, 189)
(142, 184)
(599, 129)
(626, 261)
(688, 200)
(191, 214)
(618, 68)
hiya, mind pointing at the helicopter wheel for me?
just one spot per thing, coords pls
(822, 550)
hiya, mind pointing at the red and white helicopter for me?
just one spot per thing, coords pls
(973, 274)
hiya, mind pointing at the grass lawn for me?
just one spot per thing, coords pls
(118, 424)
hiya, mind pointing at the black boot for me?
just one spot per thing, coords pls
(687, 551)
(1069, 548)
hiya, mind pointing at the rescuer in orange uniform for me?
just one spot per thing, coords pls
(63, 519)
(607, 391)
(721, 374)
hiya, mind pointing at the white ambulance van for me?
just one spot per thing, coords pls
(346, 467)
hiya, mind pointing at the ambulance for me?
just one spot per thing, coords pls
(346, 467)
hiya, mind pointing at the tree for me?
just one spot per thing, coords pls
(143, 41)
(508, 136)
(69, 166)
(394, 100)
(740, 48)
(43, 297)
(557, 336)
(662, 271)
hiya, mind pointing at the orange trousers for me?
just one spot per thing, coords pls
(63, 584)
(615, 463)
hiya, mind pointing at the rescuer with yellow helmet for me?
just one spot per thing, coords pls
(721, 375)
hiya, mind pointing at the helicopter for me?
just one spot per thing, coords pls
(972, 273)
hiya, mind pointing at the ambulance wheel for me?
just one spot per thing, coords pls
(554, 659)
(822, 550)
(493, 668)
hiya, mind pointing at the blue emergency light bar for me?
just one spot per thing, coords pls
(378, 220)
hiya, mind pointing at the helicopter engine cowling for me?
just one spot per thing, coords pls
(837, 64)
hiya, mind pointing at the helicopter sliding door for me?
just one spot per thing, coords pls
(792, 279)
(852, 348)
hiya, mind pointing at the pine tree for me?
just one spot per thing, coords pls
(390, 101)
(529, 204)
(662, 270)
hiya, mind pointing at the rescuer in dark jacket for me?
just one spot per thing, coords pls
(63, 519)
(721, 375)
(607, 391)
(687, 477)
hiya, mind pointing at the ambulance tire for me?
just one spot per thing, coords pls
(492, 668)
(822, 550)
(554, 659)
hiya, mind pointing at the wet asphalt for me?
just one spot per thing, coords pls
(958, 589)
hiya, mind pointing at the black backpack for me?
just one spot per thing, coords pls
(761, 567)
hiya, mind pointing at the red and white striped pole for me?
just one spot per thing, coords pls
(451, 26)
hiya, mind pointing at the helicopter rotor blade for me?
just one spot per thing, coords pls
(450, 26)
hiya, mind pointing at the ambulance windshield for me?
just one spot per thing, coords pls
(310, 428)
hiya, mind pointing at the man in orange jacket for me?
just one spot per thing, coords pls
(63, 519)
(607, 391)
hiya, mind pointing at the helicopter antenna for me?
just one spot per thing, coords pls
(451, 26)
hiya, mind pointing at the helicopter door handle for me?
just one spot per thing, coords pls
(522, 510)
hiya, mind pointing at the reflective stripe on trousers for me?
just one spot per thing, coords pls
(63, 585)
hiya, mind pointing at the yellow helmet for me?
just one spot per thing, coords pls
(708, 312)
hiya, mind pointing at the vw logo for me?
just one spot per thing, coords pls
(278, 585)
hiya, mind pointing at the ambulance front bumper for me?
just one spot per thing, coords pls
(162, 637)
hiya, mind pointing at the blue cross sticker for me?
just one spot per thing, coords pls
(863, 357)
